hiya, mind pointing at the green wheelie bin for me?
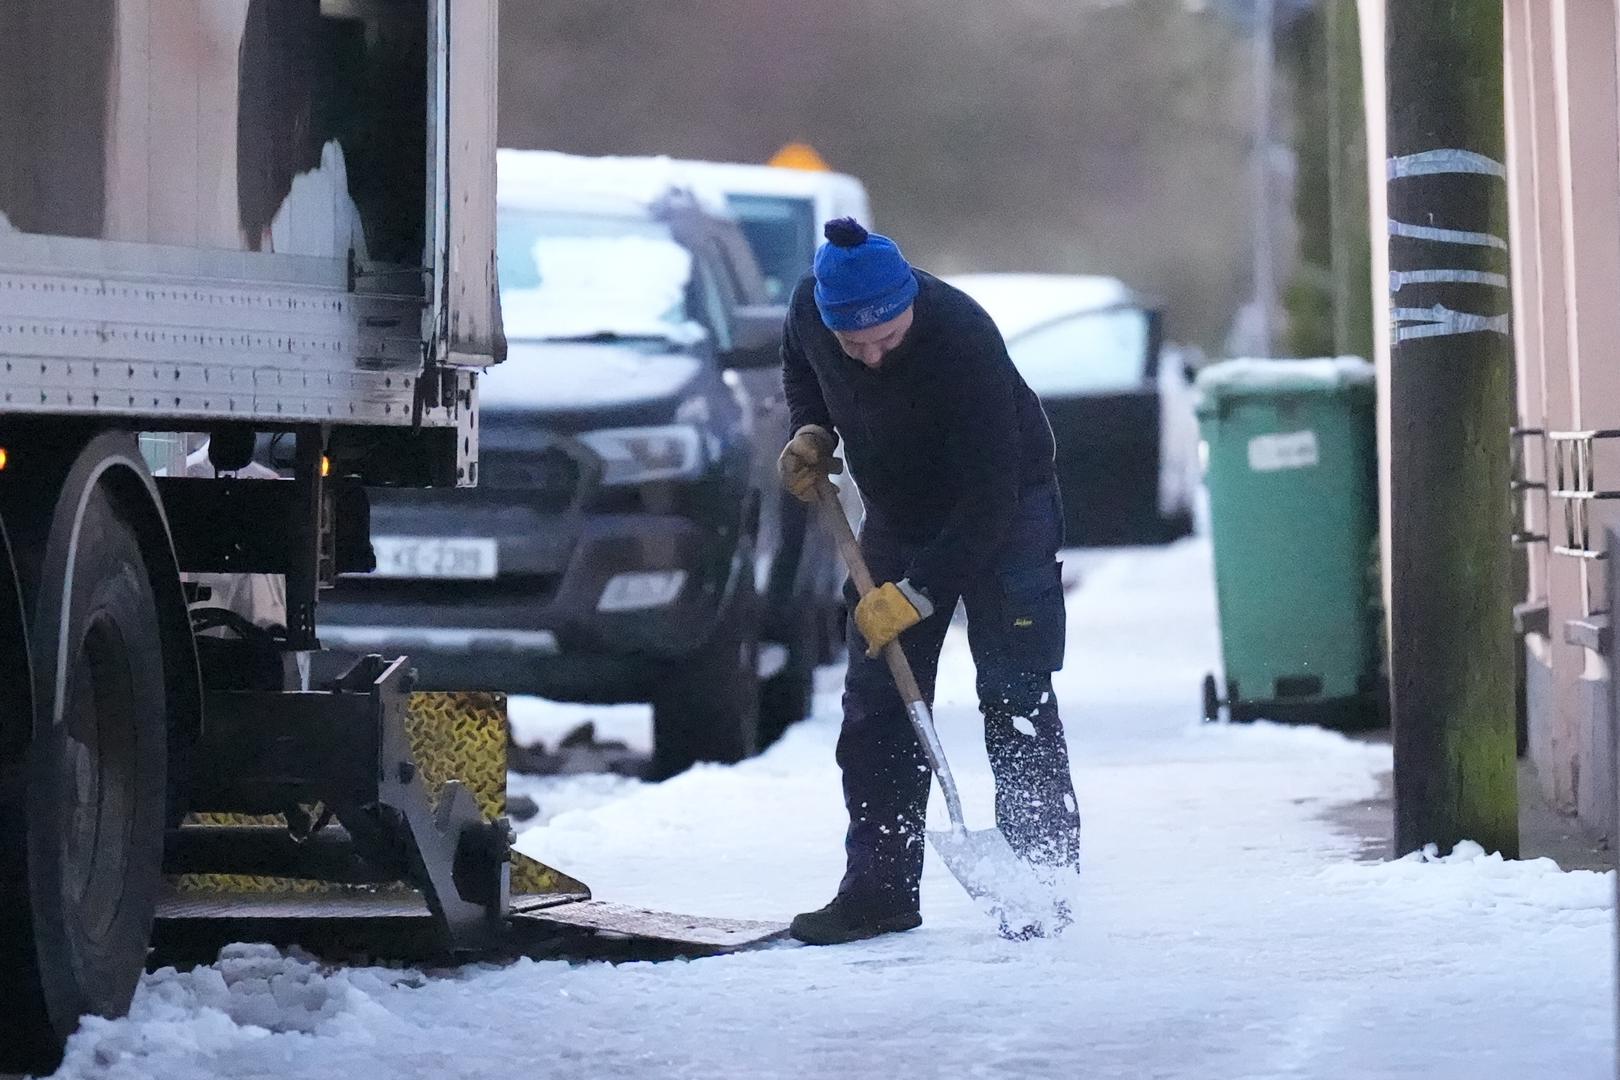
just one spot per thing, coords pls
(1291, 466)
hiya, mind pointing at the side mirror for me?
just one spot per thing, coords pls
(756, 337)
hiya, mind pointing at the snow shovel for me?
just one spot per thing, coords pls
(1002, 883)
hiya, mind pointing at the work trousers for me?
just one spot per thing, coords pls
(1015, 622)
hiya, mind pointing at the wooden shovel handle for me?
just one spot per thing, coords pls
(832, 517)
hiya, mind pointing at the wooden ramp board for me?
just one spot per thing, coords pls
(697, 931)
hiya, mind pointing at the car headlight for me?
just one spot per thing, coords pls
(646, 454)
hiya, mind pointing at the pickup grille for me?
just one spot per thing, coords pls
(551, 477)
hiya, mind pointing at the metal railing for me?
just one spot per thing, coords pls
(1575, 486)
(1522, 486)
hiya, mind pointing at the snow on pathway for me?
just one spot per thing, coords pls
(1226, 931)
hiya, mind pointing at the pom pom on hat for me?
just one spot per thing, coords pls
(845, 232)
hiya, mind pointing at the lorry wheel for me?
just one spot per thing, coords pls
(709, 708)
(86, 797)
(784, 698)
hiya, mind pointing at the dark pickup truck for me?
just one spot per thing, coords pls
(627, 540)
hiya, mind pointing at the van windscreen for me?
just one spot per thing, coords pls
(782, 231)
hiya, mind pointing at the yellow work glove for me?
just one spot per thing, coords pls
(887, 612)
(807, 458)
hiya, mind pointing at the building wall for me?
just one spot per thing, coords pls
(1563, 70)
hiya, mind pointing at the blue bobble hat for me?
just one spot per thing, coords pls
(861, 278)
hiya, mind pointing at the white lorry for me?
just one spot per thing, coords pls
(254, 220)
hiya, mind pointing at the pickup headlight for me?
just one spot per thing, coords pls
(644, 455)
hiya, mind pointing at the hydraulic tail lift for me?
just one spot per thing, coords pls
(396, 843)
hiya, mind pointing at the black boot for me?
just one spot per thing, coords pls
(845, 920)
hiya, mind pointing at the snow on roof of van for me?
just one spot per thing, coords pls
(1021, 302)
(751, 179)
(546, 177)
(526, 176)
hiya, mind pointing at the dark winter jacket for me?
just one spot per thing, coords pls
(942, 438)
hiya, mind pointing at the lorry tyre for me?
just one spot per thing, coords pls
(708, 709)
(84, 801)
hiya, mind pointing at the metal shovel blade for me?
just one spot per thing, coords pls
(1028, 902)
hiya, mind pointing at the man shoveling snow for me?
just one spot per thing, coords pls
(953, 455)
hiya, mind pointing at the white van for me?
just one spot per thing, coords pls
(781, 211)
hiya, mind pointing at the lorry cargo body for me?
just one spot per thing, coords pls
(239, 210)
(247, 267)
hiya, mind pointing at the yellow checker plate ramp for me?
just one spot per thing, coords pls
(460, 736)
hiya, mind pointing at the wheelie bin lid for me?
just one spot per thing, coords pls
(1233, 379)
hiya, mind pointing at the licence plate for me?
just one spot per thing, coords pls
(465, 558)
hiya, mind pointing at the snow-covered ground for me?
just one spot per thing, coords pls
(1226, 930)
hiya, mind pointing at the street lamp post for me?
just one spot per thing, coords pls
(1265, 63)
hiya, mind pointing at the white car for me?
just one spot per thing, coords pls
(1121, 402)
